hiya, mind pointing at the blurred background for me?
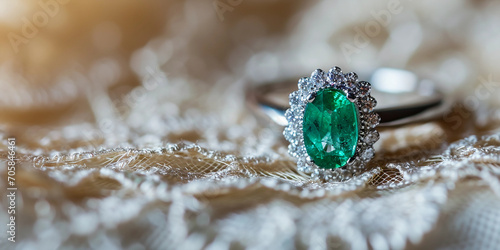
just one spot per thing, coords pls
(132, 130)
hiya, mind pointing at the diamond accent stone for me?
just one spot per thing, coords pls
(318, 75)
(368, 154)
(289, 134)
(296, 150)
(294, 98)
(292, 115)
(335, 76)
(372, 120)
(372, 137)
(364, 88)
(303, 83)
(368, 104)
(351, 77)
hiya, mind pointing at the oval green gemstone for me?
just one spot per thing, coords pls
(330, 128)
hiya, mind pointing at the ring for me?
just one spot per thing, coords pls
(331, 119)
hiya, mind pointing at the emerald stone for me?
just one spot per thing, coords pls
(330, 128)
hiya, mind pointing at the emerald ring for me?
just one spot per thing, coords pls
(331, 119)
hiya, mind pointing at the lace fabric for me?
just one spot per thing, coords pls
(179, 162)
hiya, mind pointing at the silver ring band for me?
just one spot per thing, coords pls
(402, 98)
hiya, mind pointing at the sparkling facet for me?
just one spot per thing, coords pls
(351, 76)
(330, 129)
(372, 137)
(291, 115)
(372, 120)
(335, 75)
(368, 104)
(303, 83)
(368, 154)
(364, 88)
(294, 98)
(318, 76)
(296, 150)
(289, 134)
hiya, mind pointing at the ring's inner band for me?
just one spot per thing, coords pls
(402, 97)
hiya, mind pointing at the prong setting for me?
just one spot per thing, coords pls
(351, 96)
(311, 97)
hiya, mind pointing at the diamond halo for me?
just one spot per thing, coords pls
(359, 93)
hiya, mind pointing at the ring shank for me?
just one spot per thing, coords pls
(402, 98)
